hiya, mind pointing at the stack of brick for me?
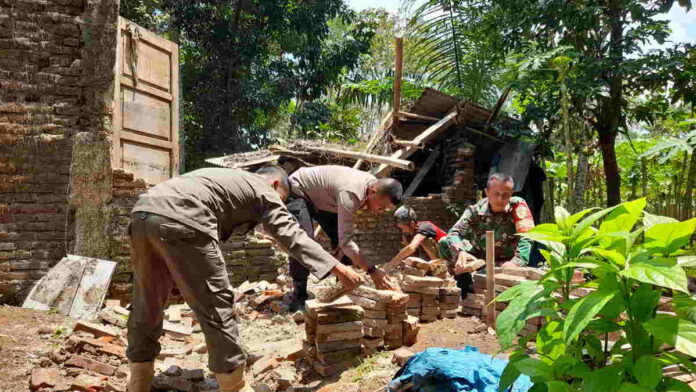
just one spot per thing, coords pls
(449, 299)
(385, 312)
(334, 335)
(460, 164)
(424, 292)
(252, 258)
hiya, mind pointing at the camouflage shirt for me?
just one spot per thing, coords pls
(469, 233)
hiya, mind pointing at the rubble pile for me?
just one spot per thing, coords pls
(424, 292)
(334, 335)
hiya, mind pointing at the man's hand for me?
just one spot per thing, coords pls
(349, 279)
(463, 259)
(509, 264)
(382, 280)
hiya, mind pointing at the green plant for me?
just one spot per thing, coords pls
(369, 365)
(632, 270)
(59, 332)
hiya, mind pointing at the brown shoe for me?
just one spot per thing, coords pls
(232, 381)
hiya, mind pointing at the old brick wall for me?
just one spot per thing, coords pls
(52, 88)
(379, 238)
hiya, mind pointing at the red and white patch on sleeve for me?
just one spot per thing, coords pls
(522, 215)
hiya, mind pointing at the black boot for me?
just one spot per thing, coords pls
(466, 283)
(300, 293)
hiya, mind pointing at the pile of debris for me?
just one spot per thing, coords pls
(385, 312)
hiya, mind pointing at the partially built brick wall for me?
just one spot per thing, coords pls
(378, 237)
(54, 94)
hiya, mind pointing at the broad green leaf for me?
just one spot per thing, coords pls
(559, 386)
(541, 236)
(650, 220)
(661, 271)
(538, 387)
(674, 358)
(603, 325)
(583, 312)
(630, 387)
(687, 261)
(549, 340)
(684, 306)
(573, 219)
(561, 215)
(590, 220)
(534, 368)
(607, 379)
(672, 385)
(675, 332)
(648, 371)
(611, 255)
(594, 347)
(518, 290)
(508, 377)
(643, 302)
(624, 217)
(667, 238)
(511, 320)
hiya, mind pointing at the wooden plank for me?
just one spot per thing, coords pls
(270, 158)
(430, 133)
(496, 109)
(490, 278)
(153, 64)
(116, 103)
(175, 156)
(395, 162)
(146, 114)
(422, 173)
(418, 116)
(408, 143)
(128, 82)
(150, 141)
(376, 135)
(151, 164)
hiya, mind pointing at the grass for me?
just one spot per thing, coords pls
(59, 332)
(369, 365)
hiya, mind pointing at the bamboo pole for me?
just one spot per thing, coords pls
(490, 278)
(398, 69)
(375, 138)
(418, 116)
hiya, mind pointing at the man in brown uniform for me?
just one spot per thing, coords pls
(176, 228)
(331, 195)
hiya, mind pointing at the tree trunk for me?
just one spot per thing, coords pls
(687, 201)
(607, 143)
(580, 181)
(568, 145)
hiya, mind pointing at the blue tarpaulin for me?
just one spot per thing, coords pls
(444, 370)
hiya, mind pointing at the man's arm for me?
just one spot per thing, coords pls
(524, 221)
(347, 205)
(458, 236)
(278, 222)
(408, 250)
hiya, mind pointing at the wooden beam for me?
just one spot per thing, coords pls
(390, 161)
(490, 278)
(398, 69)
(259, 161)
(408, 143)
(484, 134)
(422, 173)
(418, 116)
(497, 107)
(425, 136)
(374, 139)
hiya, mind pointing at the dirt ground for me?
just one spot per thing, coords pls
(28, 336)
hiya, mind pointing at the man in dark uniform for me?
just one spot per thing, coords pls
(176, 230)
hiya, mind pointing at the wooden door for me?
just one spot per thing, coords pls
(146, 104)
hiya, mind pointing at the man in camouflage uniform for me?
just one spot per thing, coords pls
(499, 211)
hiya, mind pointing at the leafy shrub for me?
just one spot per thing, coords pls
(632, 268)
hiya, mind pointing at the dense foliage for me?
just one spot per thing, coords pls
(611, 337)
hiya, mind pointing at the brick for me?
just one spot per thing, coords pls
(347, 313)
(401, 355)
(367, 303)
(410, 330)
(44, 378)
(87, 383)
(167, 383)
(330, 370)
(340, 327)
(321, 338)
(337, 345)
(91, 364)
(329, 358)
(95, 329)
(373, 342)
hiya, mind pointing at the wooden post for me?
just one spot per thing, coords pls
(490, 278)
(398, 69)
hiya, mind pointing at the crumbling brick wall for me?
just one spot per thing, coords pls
(55, 80)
